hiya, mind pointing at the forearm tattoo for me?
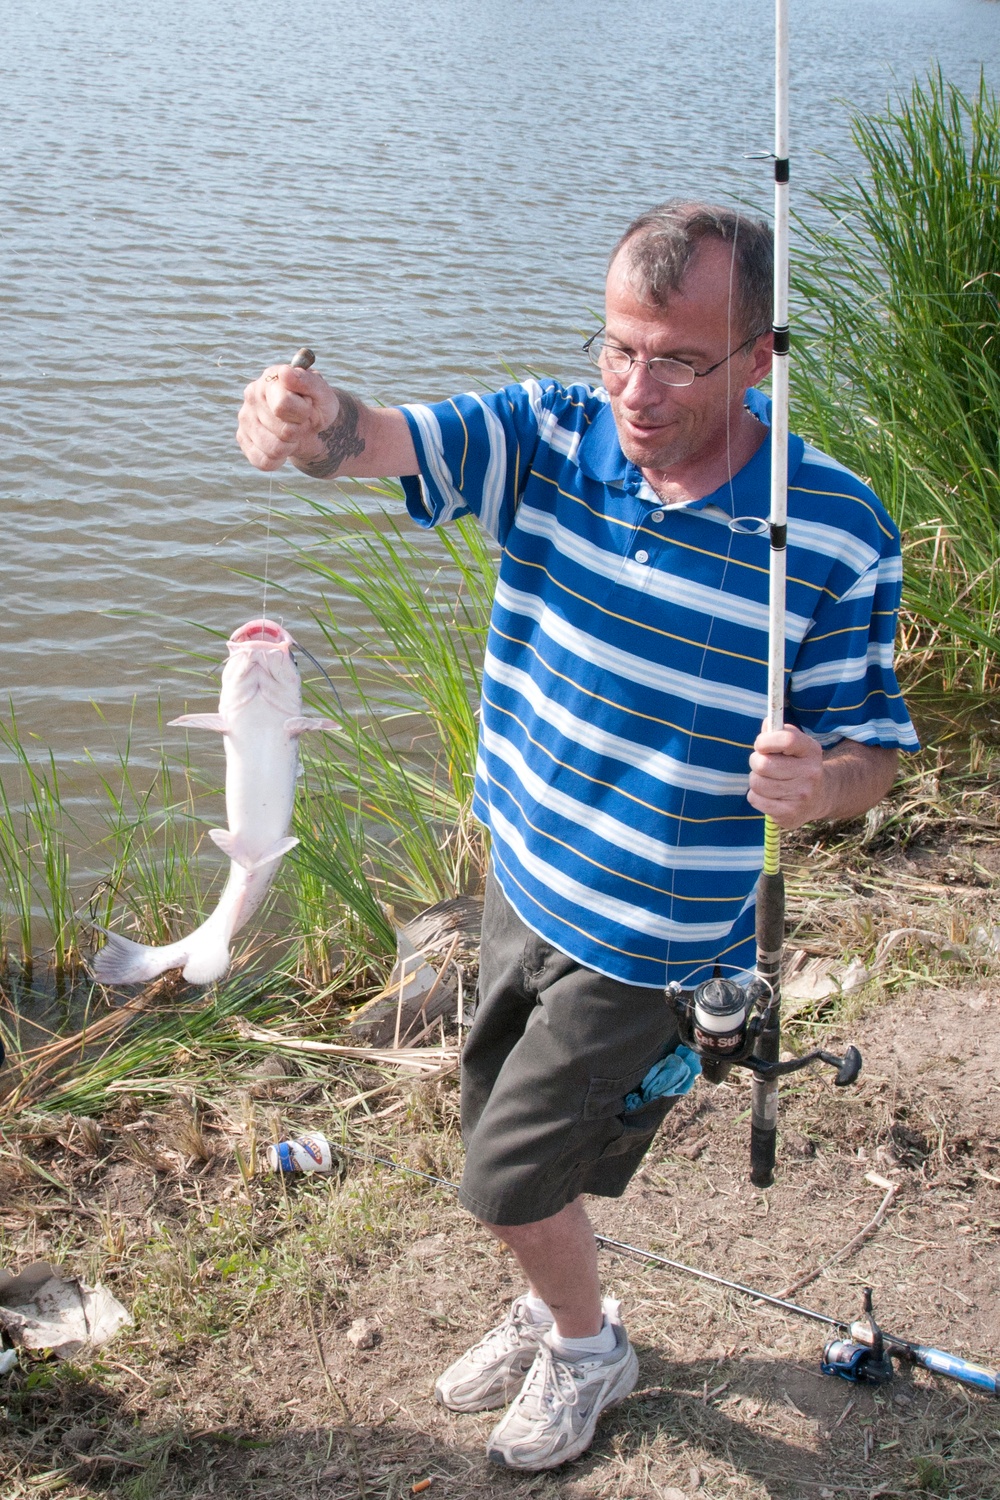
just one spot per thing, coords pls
(340, 439)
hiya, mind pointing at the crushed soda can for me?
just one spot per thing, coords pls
(307, 1153)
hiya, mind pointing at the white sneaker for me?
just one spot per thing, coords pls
(555, 1416)
(492, 1372)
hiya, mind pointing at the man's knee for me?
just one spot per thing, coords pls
(516, 1235)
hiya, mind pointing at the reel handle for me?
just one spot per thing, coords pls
(848, 1067)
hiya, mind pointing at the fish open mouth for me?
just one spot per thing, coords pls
(260, 633)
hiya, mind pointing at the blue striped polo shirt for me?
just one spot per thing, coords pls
(625, 677)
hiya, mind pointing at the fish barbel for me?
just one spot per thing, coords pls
(260, 716)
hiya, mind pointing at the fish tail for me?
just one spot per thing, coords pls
(121, 961)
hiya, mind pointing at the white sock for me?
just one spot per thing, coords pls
(537, 1310)
(597, 1343)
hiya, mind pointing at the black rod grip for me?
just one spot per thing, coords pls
(763, 1153)
(770, 917)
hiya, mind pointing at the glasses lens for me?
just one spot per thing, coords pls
(671, 372)
(611, 358)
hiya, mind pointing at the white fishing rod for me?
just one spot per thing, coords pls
(726, 1023)
(771, 886)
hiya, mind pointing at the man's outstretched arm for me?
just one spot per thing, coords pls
(294, 414)
(794, 781)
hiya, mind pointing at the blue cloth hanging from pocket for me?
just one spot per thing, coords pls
(673, 1075)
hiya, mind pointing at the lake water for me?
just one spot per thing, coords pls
(420, 190)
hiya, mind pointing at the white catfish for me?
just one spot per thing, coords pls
(260, 715)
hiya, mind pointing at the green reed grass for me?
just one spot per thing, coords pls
(385, 814)
(156, 826)
(900, 366)
(383, 811)
(187, 1040)
(34, 862)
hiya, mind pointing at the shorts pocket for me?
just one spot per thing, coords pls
(630, 1130)
(606, 1097)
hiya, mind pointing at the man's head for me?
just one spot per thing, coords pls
(692, 283)
(659, 245)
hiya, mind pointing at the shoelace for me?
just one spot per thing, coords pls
(551, 1379)
(508, 1335)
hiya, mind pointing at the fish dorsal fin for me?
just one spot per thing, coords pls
(203, 721)
(295, 727)
(232, 846)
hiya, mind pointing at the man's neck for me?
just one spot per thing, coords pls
(694, 479)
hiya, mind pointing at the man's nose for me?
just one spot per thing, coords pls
(641, 388)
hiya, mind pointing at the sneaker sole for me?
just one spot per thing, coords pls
(622, 1387)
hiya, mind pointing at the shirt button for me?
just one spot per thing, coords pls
(657, 515)
(642, 557)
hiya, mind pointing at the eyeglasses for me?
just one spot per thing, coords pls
(666, 371)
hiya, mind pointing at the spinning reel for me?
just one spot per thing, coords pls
(862, 1358)
(724, 1022)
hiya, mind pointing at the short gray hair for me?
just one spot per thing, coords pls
(660, 243)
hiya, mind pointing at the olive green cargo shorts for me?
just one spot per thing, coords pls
(552, 1052)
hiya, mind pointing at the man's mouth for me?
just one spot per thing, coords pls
(644, 424)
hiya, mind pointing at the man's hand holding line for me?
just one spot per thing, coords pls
(292, 414)
(794, 781)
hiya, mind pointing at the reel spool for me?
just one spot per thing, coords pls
(722, 1022)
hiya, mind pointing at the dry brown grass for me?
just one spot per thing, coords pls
(239, 1380)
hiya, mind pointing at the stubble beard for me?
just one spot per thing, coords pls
(660, 453)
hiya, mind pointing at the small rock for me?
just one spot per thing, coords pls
(363, 1334)
(274, 1069)
(798, 1144)
(80, 1439)
(694, 1477)
(428, 1248)
(673, 1494)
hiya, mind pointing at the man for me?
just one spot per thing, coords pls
(624, 686)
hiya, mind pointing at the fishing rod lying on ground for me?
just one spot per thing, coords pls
(864, 1357)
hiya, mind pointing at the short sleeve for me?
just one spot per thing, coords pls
(843, 683)
(475, 453)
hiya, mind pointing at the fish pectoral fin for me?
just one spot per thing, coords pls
(275, 852)
(203, 721)
(295, 727)
(232, 846)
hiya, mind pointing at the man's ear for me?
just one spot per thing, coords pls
(760, 356)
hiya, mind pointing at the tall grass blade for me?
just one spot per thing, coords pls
(900, 367)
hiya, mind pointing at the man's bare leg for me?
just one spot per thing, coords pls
(559, 1257)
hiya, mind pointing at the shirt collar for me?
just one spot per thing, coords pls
(748, 492)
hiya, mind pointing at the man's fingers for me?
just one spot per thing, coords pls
(266, 441)
(261, 457)
(784, 767)
(283, 411)
(785, 814)
(791, 742)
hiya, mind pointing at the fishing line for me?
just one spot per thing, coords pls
(267, 544)
(301, 360)
(741, 204)
(843, 1359)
